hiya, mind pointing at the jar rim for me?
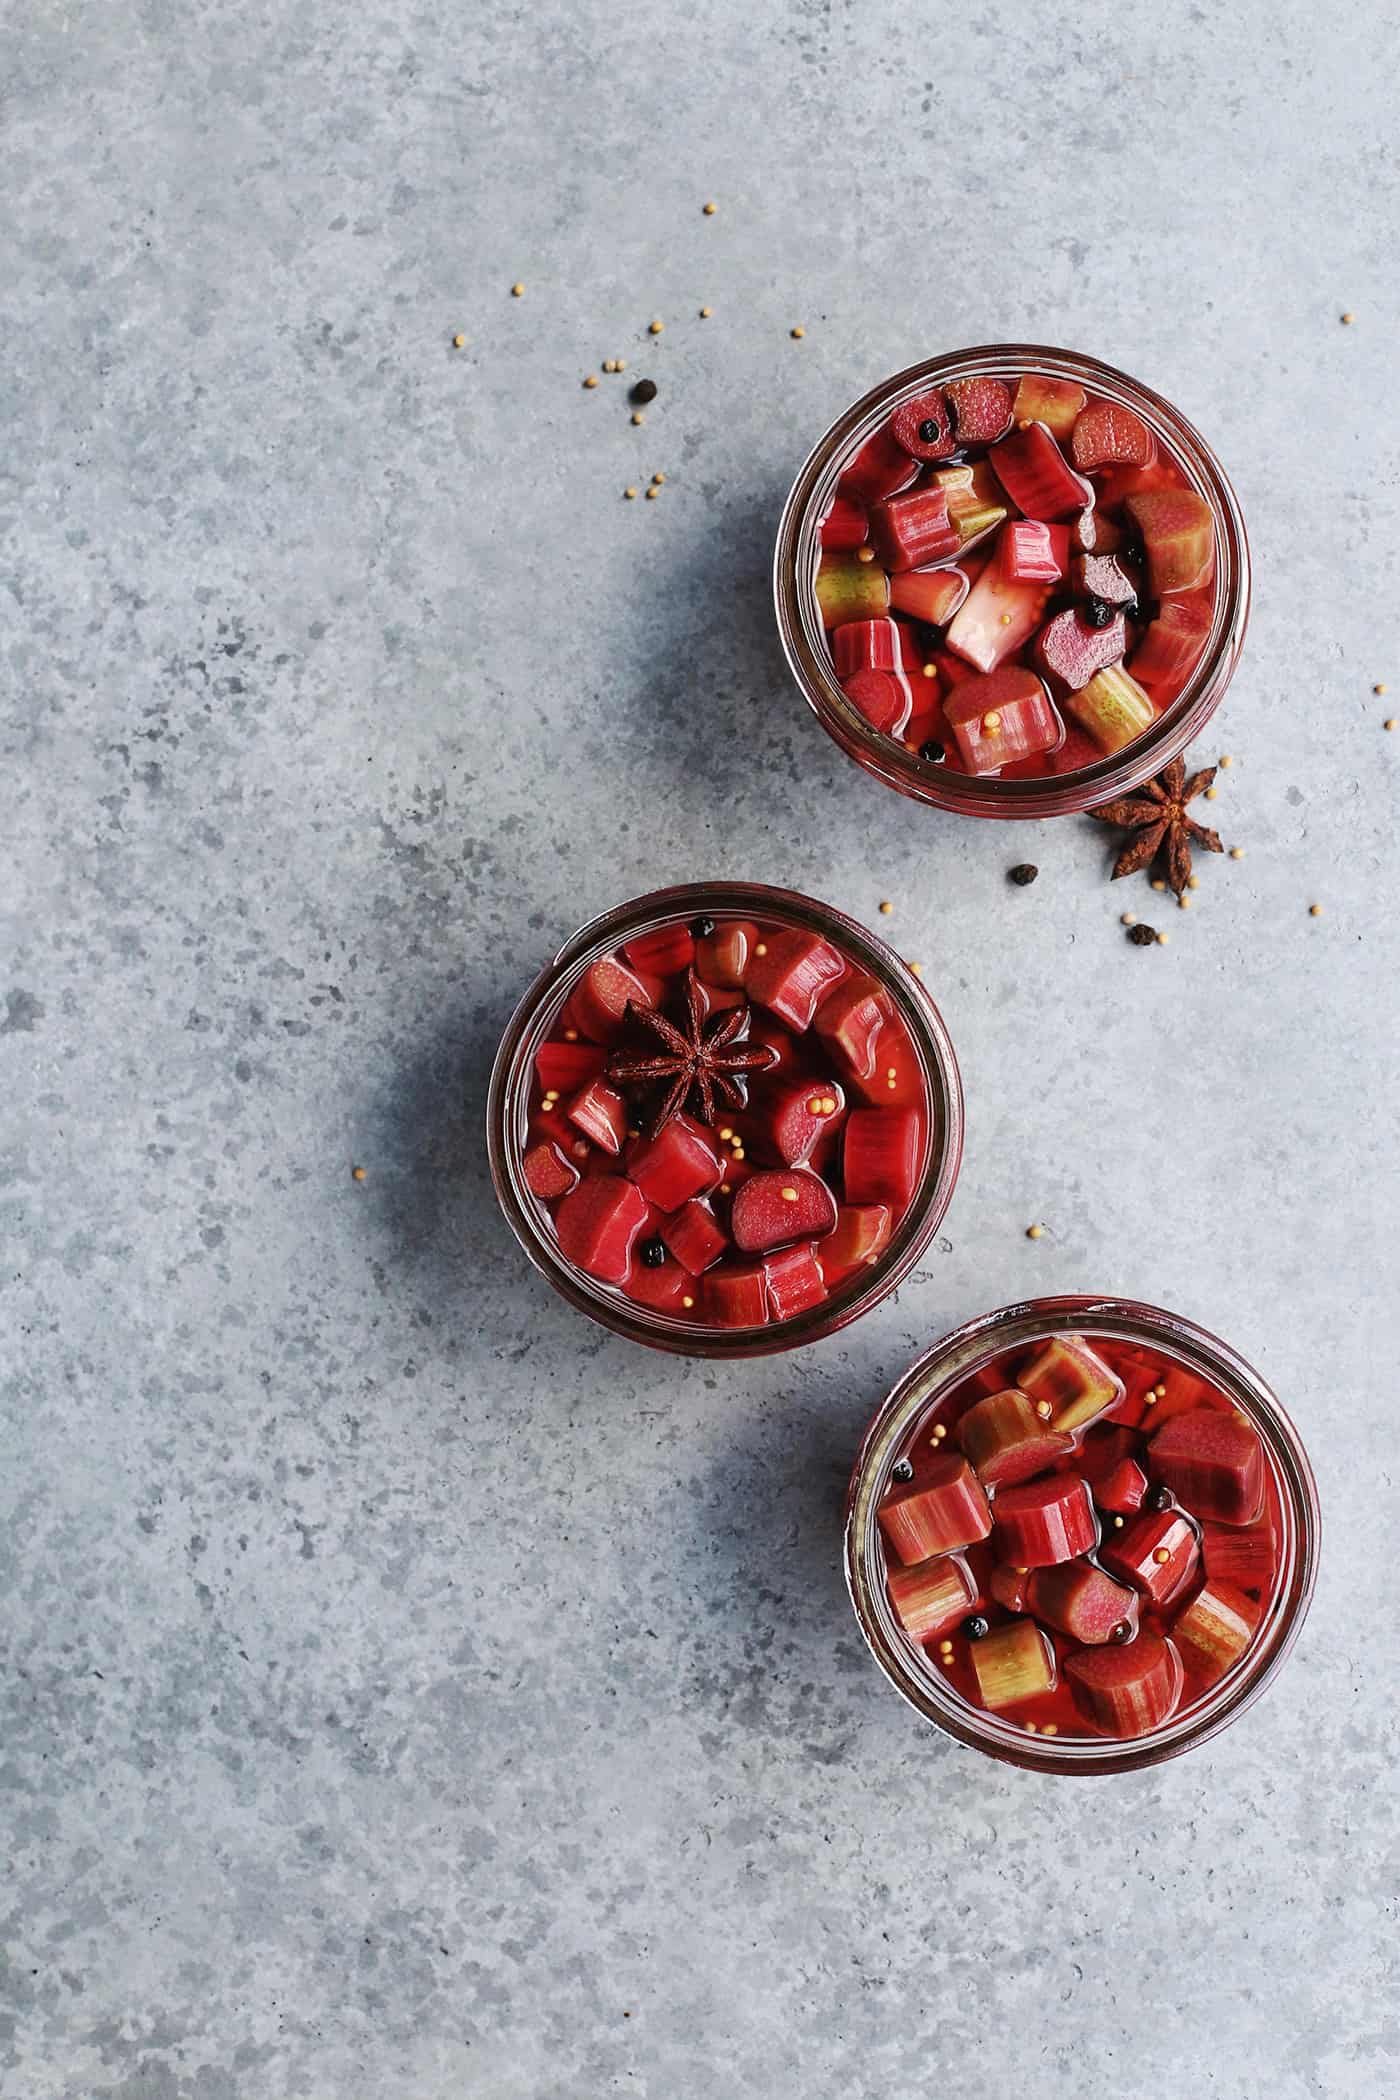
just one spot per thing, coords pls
(507, 1096)
(951, 1360)
(802, 635)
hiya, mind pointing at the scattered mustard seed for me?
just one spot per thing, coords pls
(1159, 1392)
(1381, 688)
(357, 1173)
(797, 334)
(760, 947)
(517, 291)
(630, 494)
(1226, 762)
(459, 342)
(652, 493)
(865, 554)
(1050, 1728)
(609, 364)
(1237, 853)
(1193, 882)
(591, 380)
(688, 1303)
(658, 480)
(1389, 722)
(1183, 904)
(1162, 939)
(619, 364)
(710, 210)
(930, 670)
(789, 1195)
(916, 969)
(655, 327)
(637, 416)
(1314, 911)
(1162, 1556)
(885, 907)
(705, 312)
(1158, 883)
(1035, 1232)
(1044, 1409)
(1211, 794)
(1347, 320)
(1129, 918)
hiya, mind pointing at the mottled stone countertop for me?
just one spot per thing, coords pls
(409, 1691)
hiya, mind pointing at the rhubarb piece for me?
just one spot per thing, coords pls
(1157, 1553)
(1242, 1557)
(884, 698)
(793, 1280)
(676, 1164)
(1124, 1489)
(564, 1067)
(1006, 1440)
(778, 1206)
(921, 427)
(665, 1287)
(1079, 1599)
(1173, 642)
(662, 952)
(1103, 576)
(844, 526)
(1001, 718)
(931, 595)
(721, 957)
(861, 1235)
(1215, 1629)
(981, 409)
(801, 1113)
(932, 1596)
(597, 1226)
(848, 589)
(1108, 435)
(976, 504)
(1112, 707)
(1126, 1691)
(601, 1114)
(1095, 532)
(942, 1512)
(1034, 552)
(1045, 1521)
(695, 1236)
(1105, 1447)
(1036, 475)
(1072, 651)
(788, 973)
(995, 619)
(1014, 1663)
(1009, 1587)
(879, 468)
(736, 1295)
(1213, 1463)
(912, 531)
(849, 1021)
(898, 1079)
(882, 1155)
(548, 1174)
(1078, 1384)
(1057, 403)
(866, 645)
(602, 996)
(1178, 533)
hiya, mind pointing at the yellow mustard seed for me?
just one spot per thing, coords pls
(710, 210)
(688, 1303)
(1314, 911)
(1211, 794)
(655, 327)
(357, 1173)
(517, 291)
(591, 380)
(1226, 762)
(705, 312)
(637, 416)
(1035, 1232)
(865, 554)
(652, 493)
(930, 670)
(1237, 853)
(1381, 688)
(915, 969)
(630, 494)
(797, 334)
(658, 480)
(1129, 918)
(459, 342)
(885, 907)
(1162, 1556)
(1162, 939)
(1347, 319)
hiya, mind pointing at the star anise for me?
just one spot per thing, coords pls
(702, 1063)
(1165, 830)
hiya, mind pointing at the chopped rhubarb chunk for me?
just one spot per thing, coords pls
(995, 619)
(1078, 1384)
(913, 530)
(981, 409)
(678, 1163)
(1158, 1553)
(597, 1226)
(1213, 1463)
(882, 1155)
(932, 1596)
(601, 1114)
(1124, 1489)
(848, 589)
(1012, 1664)
(1009, 1587)
(931, 595)
(1215, 1629)
(1107, 435)
(788, 972)
(1034, 552)
(1045, 1521)
(866, 645)
(1103, 576)
(1244, 1558)
(564, 1067)
(862, 1233)
(547, 1173)
(1071, 651)
(921, 427)
(779, 1206)
(802, 1112)
(880, 467)
(844, 525)
(793, 1280)
(1079, 1599)
(666, 1289)
(884, 698)
(602, 996)
(661, 952)
(1105, 1447)
(1036, 475)
(1007, 1441)
(722, 957)
(695, 1236)
(1112, 707)
(940, 1513)
(1178, 532)
(1001, 718)
(1056, 403)
(1173, 642)
(736, 1295)
(976, 503)
(849, 1021)
(1129, 1690)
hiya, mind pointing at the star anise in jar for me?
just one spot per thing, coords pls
(1163, 828)
(704, 1064)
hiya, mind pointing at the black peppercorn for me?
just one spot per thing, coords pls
(1023, 874)
(1121, 1632)
(929, 431)
(644, 390)
(976, 1628)
(653, 1253)
(902, 1470)
(702, 928)
(1161, 1499)
(1098, 612)
(933, 752)
(1142, 936)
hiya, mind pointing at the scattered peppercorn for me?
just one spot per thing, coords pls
(701, 929)
(644, 390)
(902, 1470)
(976, 1627)
(1161, 1498)
(932, 752)
(1121, 1632)
(653, 1253)
(929, 432)
(1142, 936)
(1098, 612)
(1024, 873)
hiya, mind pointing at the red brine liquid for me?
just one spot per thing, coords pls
(1016, 578)
(1082, 1537)
(728, 1121)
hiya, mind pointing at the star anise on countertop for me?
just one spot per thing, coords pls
(1164, 828)
(702, 1063)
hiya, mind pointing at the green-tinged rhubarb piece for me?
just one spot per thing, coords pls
(850, 589)
(1112, 707)
(976, 505)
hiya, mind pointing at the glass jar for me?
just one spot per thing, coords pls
(804, 641)
(914, 1399)
(509, 1100)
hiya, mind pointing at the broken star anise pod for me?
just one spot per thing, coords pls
(703, 1063)
(1164, 829)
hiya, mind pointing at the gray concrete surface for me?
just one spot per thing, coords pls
(410, 1692)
